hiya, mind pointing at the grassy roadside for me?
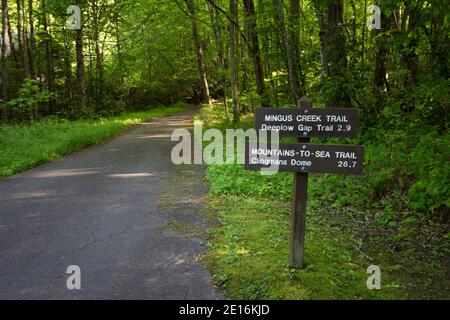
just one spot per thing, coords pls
(24, 146)
(248, 255)
(346, 232)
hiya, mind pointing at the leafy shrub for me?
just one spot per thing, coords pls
(30, 95)
(430, 161)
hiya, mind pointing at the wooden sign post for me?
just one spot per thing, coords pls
(300, 197)
(303, 157)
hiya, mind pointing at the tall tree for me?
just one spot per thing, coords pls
(117, 21)
(409, 55)
(80, 64)
(4, 60)
(438, 36)
(292, 73)
(294, 36)
(330, 15)
(33, 68)
(13, 49)
(234, 58)
(48, 53)
(199, 50)
(19, 30)
(98, 54)
(25, 41)
(380, 71)
(253, 46)
(218, 39)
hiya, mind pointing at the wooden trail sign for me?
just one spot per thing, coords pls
(303, 157)
(297, 157)
(308, 122)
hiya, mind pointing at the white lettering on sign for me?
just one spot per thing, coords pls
(277, 128)
(295, 162)
(290, 122)
(324, 128)
(345, 155)
(305, 128)
(309, 118)
(304, 118)
(322, 154)
(273, 152)
(304, 153)
(278, 117)
(334, 118)
(266, 162)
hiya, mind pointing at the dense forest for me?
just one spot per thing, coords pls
(390, 61)
(132, 53)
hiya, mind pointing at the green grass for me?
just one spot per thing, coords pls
(249, 256)
(24, 146)
(248, 250)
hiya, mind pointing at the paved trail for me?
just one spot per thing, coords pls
(121, 211)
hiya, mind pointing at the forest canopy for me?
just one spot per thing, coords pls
(389, 60)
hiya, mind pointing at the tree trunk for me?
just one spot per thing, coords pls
(90, 89)
(265, 55)
(253, 47)
(380, 84)
(234, 59)
(380, 80)
(409, 57)
(294, 19)
(19, 32)
(26, 45)
(68, 67)
(439, 39)
(199, 51)
(322, 32)
(333, 50)
(13, 50)
(363, 37)
(119, 52)
(48, 58)
(4, 61)
(98, 55)
(118, 40)
(33, 70)
(80, 66)
(243, 61)
(217, 29)
(293, 81)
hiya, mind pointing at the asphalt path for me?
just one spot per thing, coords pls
(120, 211)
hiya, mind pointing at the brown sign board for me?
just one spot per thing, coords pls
(308, 122)
(305, 157)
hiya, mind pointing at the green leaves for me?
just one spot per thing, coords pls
(30, 95)
(430, 160)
